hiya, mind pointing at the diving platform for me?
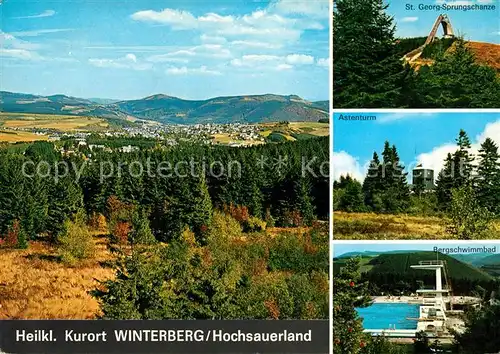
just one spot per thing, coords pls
(394, 333)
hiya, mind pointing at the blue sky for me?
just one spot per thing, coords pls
(419, 137)
(190, 49)
(482, 26)
(339, 249)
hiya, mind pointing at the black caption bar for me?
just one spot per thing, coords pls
(172, 336)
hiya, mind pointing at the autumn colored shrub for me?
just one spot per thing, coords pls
(121, 231)
(238, 212)
(75, 242)
(254, 224)
(119, 211)
(98, 222)
(269, 219)
(15, 237)
(293, 218)
(224, 227)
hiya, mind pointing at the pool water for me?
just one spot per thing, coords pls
(389, 316)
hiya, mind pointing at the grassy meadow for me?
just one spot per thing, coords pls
(12, 125)
(371, 226)
(291, 132)
(11, 136)
(36, 284)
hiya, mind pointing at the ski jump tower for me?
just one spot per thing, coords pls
(442, 20)
(434, 299)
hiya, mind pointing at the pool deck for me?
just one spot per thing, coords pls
(457, 300)
(399, 333)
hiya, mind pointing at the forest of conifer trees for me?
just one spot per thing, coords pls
(185, 225)
(369, 72)
(467, 189)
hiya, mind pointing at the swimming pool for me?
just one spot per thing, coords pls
(389, 316)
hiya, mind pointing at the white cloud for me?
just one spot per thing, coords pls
(213, 39)
(324, 62)
(46, 13)
(129, 61)
(213, 18)
(177, 19)
(345, 164)
(268, 24)
(281, 67)
(36, 33)
(435, 158)
(208, 50)
(492, 131)
(166, 58)
(409, 19)
(8, 41)
(203, 70)
(131, 57)
(299, 59)
(393, 117)
(263, 61)
(17, 49)
(256, 44)
(22, 54)
(253, 60)
(311, 8)
(14, 48)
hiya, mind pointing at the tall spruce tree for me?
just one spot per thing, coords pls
(463, 160)
(352, 200)
(487, 180)
(395, 191)
(349, 292)
(444, 183)
(372, 182)
(367, 70)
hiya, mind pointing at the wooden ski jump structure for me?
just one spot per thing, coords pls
(442, 20)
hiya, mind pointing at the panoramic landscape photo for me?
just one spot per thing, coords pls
(164, 161)
(409, 54)
(413, 175)
(426, 297)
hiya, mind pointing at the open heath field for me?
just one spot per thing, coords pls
(34, 284)
(47, 121)
(371, 226)
(313, 128)
(11, 136)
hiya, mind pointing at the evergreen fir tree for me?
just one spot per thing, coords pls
(487, 180)
(368, 72)
(141, 232)
(457, 80)
(349, 292)
(445, 183)
(372, 182)
(304, 200)
(463, 161)
(352, 199)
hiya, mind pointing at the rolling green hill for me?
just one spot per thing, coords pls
(392, 272)
(173, 110)
(492, 259)
(400, 263)
(490, 264)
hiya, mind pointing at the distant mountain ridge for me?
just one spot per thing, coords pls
(400, 263)
(173, 110)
